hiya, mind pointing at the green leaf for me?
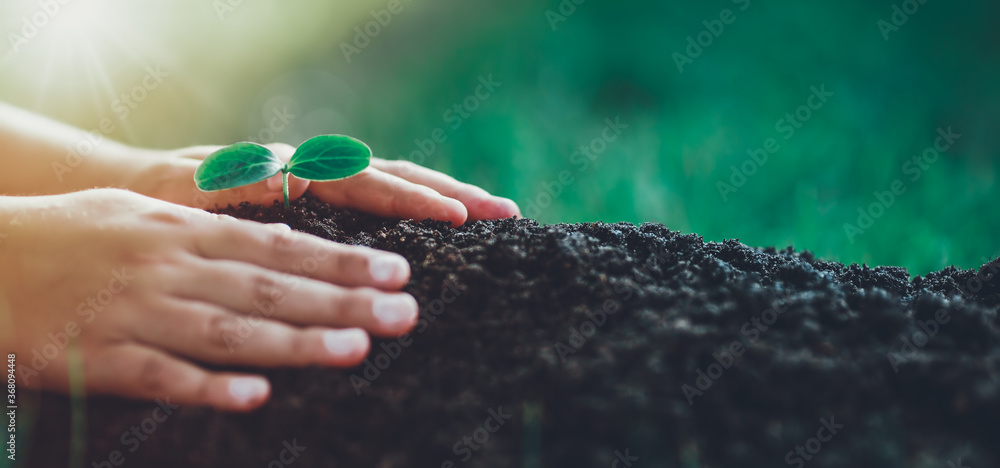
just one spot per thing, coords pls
(236, 165)
(329, 157)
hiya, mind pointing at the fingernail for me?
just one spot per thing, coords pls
(345, 343)
(247, 389)
(510, 207)
(395, 310)
(387, 267)
(274, 183)
(454, 211)
(282, 227)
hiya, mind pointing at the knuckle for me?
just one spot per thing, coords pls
(341, 260)
(337, 306)
(357, 261)
(264, 289)
(405, 166)
(153, 377)
(168, 216)
(222, 224)
(299, 348)
(217, 327)
(281, 243)
(327, 251)
(358, 301)
(152, 272)
(222, 218)
(202, 390)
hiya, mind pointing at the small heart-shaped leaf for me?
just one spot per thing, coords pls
(236, 165)
(329, 157)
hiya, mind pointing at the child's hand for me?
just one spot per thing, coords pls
(398, 189)
(149, 289)
(401, 189)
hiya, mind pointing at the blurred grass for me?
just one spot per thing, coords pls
(685, 129)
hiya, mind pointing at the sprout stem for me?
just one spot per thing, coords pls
(284, 187)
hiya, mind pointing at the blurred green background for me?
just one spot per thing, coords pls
(563, 69)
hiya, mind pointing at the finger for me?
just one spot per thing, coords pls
(480, 203)
(258, 292)
(300, 254)
(384, 194)
(209, 333)
(140, 372)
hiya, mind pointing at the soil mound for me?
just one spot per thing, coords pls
(583, 344)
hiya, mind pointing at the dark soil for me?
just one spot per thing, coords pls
(509, 310)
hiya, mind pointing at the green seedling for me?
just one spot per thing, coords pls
(322, 158)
